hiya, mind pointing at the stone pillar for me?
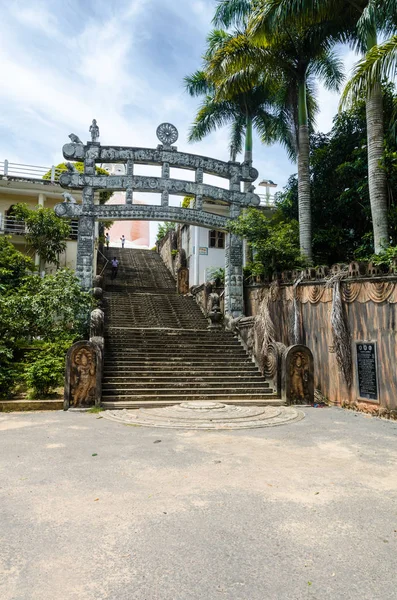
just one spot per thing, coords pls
(85, 251)
(41, 199)
(234, 292)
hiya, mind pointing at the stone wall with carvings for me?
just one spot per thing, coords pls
(303, 314)
(165, 248)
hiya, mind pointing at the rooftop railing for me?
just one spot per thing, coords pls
(11, 226)
(267, 200)
(19, 171)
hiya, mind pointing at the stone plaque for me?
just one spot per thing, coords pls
(367, 371)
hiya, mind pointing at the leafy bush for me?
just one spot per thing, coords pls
(45, 372)
(44, 375)
(14, 265)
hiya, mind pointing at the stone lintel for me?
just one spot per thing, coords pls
(142, 213)
(159, 185)
(158, 156)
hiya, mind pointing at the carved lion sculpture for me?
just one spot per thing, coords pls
(75, 138)
(67, 197)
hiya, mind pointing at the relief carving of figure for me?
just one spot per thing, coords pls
(299, 377)
(83, 376)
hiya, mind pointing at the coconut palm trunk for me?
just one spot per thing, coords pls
(377, 181)
(248, 158)
(305, 217)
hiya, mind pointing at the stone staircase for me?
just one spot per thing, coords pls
(158, 350)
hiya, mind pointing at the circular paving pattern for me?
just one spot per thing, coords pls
(207, 415)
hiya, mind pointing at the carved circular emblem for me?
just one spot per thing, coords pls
(61, 209)
(167, 134)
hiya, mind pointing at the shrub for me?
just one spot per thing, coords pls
(44, 375)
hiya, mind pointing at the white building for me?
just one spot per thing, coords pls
(205, 249)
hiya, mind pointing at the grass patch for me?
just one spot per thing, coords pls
(95, 409)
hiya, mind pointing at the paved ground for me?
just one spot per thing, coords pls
(91, 509)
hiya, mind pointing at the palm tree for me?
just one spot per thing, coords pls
(379, 64)
(294, 59)
(357, 22)
(255, 106)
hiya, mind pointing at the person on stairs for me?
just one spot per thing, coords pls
(107, 240)
(122, 240)
(115, 268)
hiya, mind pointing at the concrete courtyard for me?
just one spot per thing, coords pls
(92, 509)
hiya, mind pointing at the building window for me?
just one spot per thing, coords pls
(216, 239)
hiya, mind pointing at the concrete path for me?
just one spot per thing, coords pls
(91, 509)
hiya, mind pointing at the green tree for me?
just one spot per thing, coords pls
(46, 233)
(274, 241)
(254, 107)
(341, 211)
(294, 58)
(104, 195)
(358, 23)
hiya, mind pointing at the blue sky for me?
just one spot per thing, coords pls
(65, 62)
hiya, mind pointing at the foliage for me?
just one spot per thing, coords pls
(380, 63)
(14, 265)
(46, 233)
(216, 274)
(39, 318)
(45, 366)
(164, 229)
(187, 201)
(44, 375)
(274, 241)
(341, 212)
(104, 196)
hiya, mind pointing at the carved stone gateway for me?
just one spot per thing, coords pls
(83, 376)
(297, 382)
(167, 157)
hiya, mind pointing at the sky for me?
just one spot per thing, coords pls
(122, 62)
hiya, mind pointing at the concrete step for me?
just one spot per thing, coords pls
(203, 393)
(121, 402)
(209, 379)
(183, 386)
(179, 361)
(178, 350)
(149, 370)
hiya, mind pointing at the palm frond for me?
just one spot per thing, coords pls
(215, 40)
(198, 84)
(380, 63)
(329, 68)
(232, 12)
(210, 116)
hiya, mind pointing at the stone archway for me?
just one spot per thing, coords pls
(166, 156)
